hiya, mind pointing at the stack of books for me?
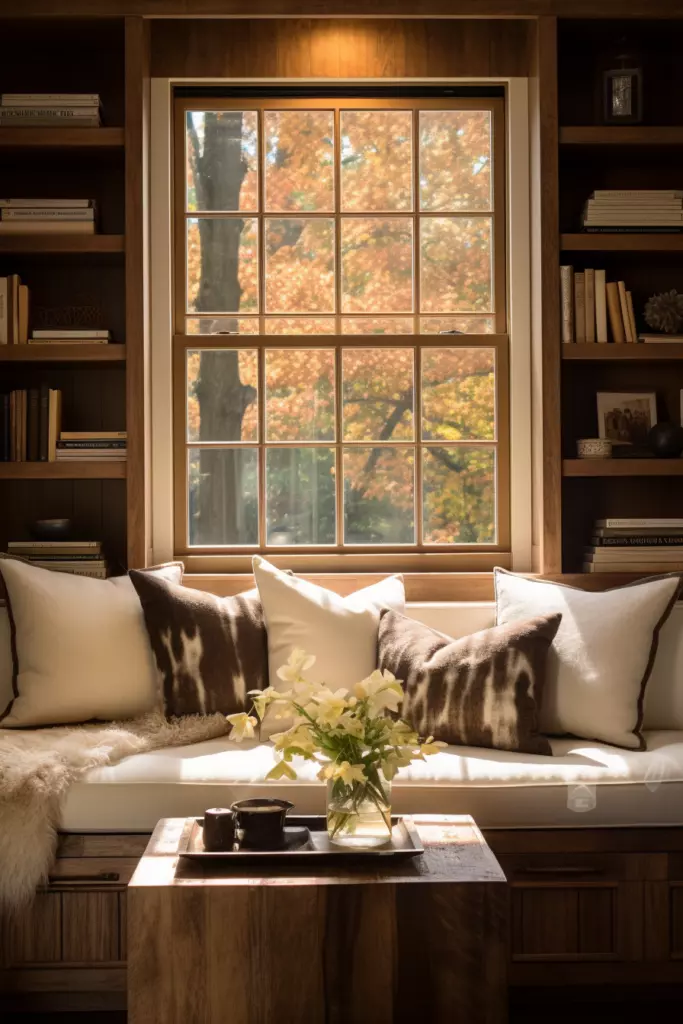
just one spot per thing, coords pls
(30, 422)
(639, 210)
(50, 109)
(590, 304)
(14, 298)
(70, 336)
(47, 216)
(92, 445)
(80, 557)
(635, 545)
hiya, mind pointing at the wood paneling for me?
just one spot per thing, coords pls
(137, 277)
(90, 927)
(33, 935)
(329, 48)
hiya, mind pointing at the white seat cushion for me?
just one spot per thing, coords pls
(584, 785)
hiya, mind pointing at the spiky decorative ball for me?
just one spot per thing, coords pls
(664, 312)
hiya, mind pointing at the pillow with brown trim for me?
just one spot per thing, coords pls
(80, 649)
(482, 690)
(602, 656)
(210, 651)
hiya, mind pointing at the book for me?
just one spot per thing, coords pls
(660, 339)
(98, 435)
(653, 229)
(67, 341)
(649, 567)
(44, 424)
(567, 298)
(13, 282)
(612, 554)
(580, 307)
(4, 331)
(70, 556)
(33, 425)
(616, 523)
(614, 310)
(600, 307)
(49, 99)
(23, 314)
(47, 227)
(57, 547)
(45, 204)
(631, 316)
(625, 318)
(639, 540)
(68, 562)
(52, 113)
(45, 213)
(638, 193)
(92, 444)
(54, 423)
(84, 570)
(590, 305)
(69, 335)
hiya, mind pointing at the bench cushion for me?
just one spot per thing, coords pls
(584, 785)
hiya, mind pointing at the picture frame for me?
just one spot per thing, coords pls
(626, 417)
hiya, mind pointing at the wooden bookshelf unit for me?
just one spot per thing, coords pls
(593, 155)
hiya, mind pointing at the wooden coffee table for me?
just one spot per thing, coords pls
(411, 940)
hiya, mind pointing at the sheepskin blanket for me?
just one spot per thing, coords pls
(38, 766)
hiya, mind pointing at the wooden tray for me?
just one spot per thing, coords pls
(302, 846)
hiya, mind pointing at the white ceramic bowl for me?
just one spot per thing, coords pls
(594, 448)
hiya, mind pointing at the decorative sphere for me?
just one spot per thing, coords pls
(665, 440)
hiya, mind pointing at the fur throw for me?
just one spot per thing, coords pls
(38, 766)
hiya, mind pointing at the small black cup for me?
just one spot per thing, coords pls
(219, 829)
(260, 822)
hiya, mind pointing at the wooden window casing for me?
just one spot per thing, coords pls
(340, 557)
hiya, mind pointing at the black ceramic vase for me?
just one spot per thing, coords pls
(665, 440)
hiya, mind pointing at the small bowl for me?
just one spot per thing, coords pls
(51, 529)
(594, 448)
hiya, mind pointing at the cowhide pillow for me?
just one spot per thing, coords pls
(210, 651)
(482, 690)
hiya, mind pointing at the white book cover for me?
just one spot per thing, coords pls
(50, 99)
(41, 213)
(4, 332)
(47, 204)
(590, 305)
(69, 334)
(600, 307)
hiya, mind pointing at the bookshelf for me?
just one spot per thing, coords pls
(592, 155)
(105, 500)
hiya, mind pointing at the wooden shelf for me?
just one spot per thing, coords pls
(61, 138)
(622, 242)
(625, 135)
(61, 244)
(622, 467)
(62, 353)
(62, 470)
(626, 352)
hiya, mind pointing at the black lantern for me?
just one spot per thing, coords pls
(623, 89)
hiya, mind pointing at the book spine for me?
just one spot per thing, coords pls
(614, 310)
(49, 99)
(66, 557)
(55, 547)
(69, 335)
(45, 204)
(636, 193)
(623, 305)
(654, 229)
(600, 307)
(641, 524)
(567, 298)
(4, 334)
(23, 422)
(33, 425)
(23, 314)
(631, 316)
(55, 113)
(639, 541)
(590, 305)
(91, 445)
(48, 213)
(44, 420)
(580, 307)
(89, 435)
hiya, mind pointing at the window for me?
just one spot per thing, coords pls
(322, 249)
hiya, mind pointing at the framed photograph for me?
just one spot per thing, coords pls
(626, 417)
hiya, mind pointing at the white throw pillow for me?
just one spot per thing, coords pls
(340, 631)
(602, 655)
(81, 648)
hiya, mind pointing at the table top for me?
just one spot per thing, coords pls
(455, 852)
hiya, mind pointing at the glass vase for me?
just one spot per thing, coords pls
(359, 813)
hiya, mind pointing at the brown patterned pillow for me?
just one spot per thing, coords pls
(209, 650)
(483, 690)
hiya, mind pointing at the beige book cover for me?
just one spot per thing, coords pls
(614, 309)
(600, 307)
(580, 307)
(623, 303)
(590, 305)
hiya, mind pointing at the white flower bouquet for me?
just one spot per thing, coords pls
(349, 734)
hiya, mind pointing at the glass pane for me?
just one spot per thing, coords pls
(222, 265)
(455, 264)
(299, 394)
(460, 324)
(300, 496)
(300, 325)
(221, 325)
(377, 265)
(223, 496)
(222, 392)
(377, 325)
(299, 265)
(458, 394)
(455, 160)
(376, 160)
(459, 495)
(299, 160)
(377, 394)
(222, 160)
(379, 495)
